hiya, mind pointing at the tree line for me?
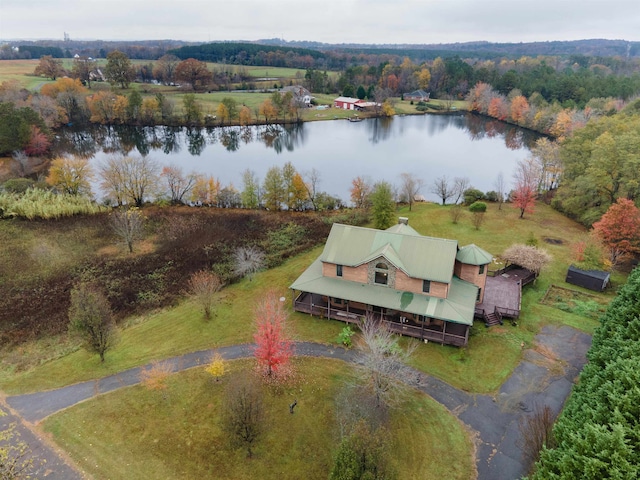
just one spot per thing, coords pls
(596, 435)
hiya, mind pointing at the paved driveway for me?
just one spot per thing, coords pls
(536, 381)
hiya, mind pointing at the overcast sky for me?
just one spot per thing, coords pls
(332, 21)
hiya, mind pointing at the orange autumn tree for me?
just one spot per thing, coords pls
(498, 109)
(519, 109)
(619, 230)
(273, 349)
(360, 192)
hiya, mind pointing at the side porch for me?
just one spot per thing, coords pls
(417, 326)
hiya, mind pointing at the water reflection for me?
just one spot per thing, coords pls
(123, 140)
(429, 146)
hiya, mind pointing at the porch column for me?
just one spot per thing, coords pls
(444, 330)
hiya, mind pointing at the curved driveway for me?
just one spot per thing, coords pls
(493, 418)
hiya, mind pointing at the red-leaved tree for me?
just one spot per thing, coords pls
(273, 348)
(38, 143)
(619, 230)
(526, 186)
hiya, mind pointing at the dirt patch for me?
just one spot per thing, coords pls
(553, 241)
(179, 241)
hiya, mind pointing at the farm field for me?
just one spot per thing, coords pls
(21, 71)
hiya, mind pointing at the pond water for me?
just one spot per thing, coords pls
(427, 146)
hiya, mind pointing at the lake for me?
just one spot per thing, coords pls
(427, 146)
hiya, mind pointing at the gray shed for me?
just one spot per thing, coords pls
(592, 279)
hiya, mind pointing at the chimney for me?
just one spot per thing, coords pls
(403, 220)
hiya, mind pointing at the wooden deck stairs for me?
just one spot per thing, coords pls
(492, 318)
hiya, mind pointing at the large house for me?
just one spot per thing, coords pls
(301, 96)
(420, 286)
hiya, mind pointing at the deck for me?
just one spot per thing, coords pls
(448, 333)
(503, 292)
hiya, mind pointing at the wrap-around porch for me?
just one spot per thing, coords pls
(417, 326)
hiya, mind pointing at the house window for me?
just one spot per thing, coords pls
(481, 269)
(382, 274)
(426, 286)
(479, 295)
(338, 270)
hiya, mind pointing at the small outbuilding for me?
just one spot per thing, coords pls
(596, 280)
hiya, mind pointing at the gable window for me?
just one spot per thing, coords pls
(426, 286)
(338, 270)
(382, 274)
(481, 269)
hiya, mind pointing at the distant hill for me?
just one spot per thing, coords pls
(590, 47)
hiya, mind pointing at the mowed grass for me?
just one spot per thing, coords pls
(135, 433)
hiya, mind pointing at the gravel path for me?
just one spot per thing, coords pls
(536, 381)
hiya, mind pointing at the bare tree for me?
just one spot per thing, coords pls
(443, 189)
(178, 183)
(128, 224)
(247, 261)
(536, 431)
(456, 213)
(90, 319)
(130, 179)
(460, 184)
(410, 186)
(381, 361)
(243, 412)
(312, 182)
(203, 286)
(501, 189)
(21, 163)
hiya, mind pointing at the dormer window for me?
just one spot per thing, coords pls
(382, 274)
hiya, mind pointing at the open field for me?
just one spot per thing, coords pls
(136, 433)
(481, 367)
(21, 71)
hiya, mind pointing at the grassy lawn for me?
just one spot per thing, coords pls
(136, 433)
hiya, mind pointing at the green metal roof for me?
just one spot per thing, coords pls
(458, 307)
(404, 229)
(473, 255)
(418, 256)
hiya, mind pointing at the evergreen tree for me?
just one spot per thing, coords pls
(382, 204)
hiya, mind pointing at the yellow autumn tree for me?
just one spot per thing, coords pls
(563, 124)
(106, 107)
(216, 367)
(245, 116)
(424, 77)
(71, 175)
(150, 109)
(299, 192)
(268, 110)
(222, 112)
(387, 109)
(62, 85)
(206, 190)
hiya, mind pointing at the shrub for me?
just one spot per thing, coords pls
(17, 185)
(478, 207)
(472, 195)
